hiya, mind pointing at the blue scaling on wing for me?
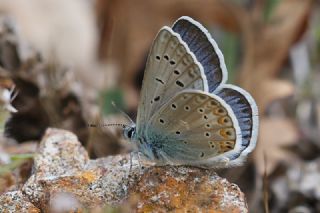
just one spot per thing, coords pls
(242, 109)
(202, 45)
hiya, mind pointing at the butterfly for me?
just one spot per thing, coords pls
(187, 114)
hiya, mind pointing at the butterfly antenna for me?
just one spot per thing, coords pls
(122, 112)
(105, 125)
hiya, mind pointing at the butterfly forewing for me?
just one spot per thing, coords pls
(171, 68)
(204, 48)
(192, 127)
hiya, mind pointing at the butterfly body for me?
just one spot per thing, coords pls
(187, 115)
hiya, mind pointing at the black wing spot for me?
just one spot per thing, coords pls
(207, 134)
(178, 133)
(166, 57)
(187, 108)
(174, 106)
(179, 83)
(205, 117)
(158, 57)
(202, 154)
(159, 80)
(161, 121)
(200, 110)
(157, 98)
(176, 72)
(185, 142)
(228, 133)
(172, 62)
(208, 125)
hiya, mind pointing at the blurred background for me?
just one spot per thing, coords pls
(68, 60)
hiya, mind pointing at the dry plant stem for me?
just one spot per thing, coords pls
(265, 186)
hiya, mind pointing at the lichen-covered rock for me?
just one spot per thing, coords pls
(187, 189)
(66, 180)
(62, 167)
(60, 154)
(15, 202)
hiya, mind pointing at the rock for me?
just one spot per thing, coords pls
(187, 189)
(64, 175)
(62, 168)
(15, 202)
(60, 154)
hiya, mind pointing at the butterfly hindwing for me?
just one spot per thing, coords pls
(195, 128)
(204, 48)
(171, 68)
(246, 112)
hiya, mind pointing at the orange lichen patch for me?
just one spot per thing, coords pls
(78, 186)
(167, 189)
(15, 201)
(89, 176)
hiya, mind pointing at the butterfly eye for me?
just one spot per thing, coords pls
(130, 133)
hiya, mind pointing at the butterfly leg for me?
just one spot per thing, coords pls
(131, 162)
(130, 168)
(127, 181)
